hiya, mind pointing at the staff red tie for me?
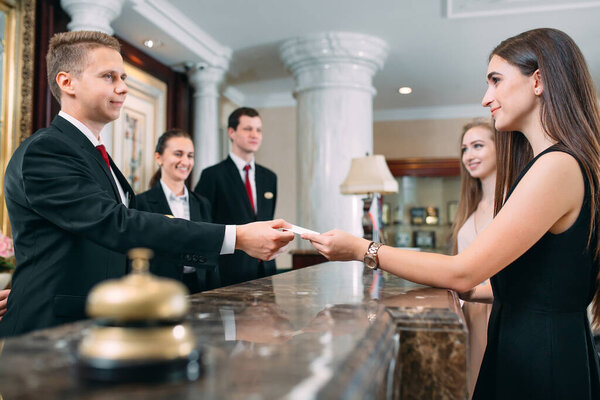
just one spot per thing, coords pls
(102, 150)
(248, 187)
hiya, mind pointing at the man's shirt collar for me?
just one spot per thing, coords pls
(81, 126)
(240, 163)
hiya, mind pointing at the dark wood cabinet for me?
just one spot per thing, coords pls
(424, 167)
(306, 258)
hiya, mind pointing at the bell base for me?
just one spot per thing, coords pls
(104, 370)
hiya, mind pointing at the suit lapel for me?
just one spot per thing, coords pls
(238, 187)
(160, 198)
(259, 177)
(78, 137)
(195, 214)
(127, 189)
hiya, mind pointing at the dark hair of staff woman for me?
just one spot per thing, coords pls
(161, 145)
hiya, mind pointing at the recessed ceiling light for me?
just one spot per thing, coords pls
(152, 43)
(405, 90)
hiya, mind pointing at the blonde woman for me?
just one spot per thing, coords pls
(475, 212)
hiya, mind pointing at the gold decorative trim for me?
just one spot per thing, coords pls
(27, 70)
(17, 85)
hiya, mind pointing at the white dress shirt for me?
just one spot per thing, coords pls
(92, 138)
(179, 205)
(240, 163)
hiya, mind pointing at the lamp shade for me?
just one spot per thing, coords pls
(369, 174)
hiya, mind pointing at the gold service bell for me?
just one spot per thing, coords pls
(138, 332)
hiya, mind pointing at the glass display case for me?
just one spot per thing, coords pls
(421, 214)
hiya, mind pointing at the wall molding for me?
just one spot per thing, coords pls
(271, 100)
(285, 99)
(470, 8)
(438, 112)
(234, 95)
(183, 30)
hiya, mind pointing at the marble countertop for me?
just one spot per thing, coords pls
(321, 332)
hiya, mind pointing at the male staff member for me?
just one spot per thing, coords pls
(68, 202)
(241, 191)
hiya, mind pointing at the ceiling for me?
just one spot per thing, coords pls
(437, 47)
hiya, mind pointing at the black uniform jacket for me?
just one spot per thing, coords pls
(222, 185)
(155, 200)
(71, 230)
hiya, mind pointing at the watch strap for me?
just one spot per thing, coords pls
(372, 251)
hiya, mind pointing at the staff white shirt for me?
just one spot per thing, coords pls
(179, 205)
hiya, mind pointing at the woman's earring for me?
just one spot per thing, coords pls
(537, 92)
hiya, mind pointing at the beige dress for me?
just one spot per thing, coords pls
(476, 314)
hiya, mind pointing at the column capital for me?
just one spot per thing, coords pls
(334, 59)
(92, 15)
(205, 79)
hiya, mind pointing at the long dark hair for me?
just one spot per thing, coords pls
(470, 187)
(161, 145)
(569, 113)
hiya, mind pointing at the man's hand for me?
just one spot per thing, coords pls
(3, 299)
(263, 240)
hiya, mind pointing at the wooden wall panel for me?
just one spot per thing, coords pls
(52, 19)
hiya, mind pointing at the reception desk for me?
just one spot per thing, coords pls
(323, 332)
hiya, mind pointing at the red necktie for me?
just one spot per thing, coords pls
(102, 150)
(248, 187)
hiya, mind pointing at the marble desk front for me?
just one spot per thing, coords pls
(323, 332)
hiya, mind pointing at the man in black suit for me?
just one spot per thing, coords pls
(68, 203)
(241, 191)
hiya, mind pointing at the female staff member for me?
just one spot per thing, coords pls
(475, 212)
(541, 249)
(169, 195)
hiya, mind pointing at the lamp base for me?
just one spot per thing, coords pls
(367, 223)
(369, 231)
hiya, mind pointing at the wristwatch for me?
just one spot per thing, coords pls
(371, 260)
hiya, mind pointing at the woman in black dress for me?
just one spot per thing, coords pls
(541, 249)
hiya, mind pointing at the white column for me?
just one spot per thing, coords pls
(92, 15)
(334, 94)
(205, 80)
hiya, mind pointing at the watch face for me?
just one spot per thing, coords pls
(370, 262)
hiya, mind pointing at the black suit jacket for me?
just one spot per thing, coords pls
(222, 185)
(155, 200)
(71, 230)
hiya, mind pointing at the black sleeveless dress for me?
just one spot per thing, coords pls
(540, 345)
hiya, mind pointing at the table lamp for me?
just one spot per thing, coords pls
(369, 175)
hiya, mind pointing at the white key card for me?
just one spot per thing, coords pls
(299, 230)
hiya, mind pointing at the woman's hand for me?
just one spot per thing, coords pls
(337, 245)
(3, 300)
